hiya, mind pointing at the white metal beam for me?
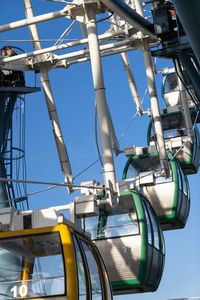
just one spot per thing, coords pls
(61, 148)
(59, 47)
(34, 20)
(102, 109)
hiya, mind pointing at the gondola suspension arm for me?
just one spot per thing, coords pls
(61, 148)
(153, 98)
(102, 108)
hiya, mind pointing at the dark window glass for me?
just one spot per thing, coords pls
(156, 239)
(152, 226)
(171, 83)
(145, 163)
(173, 126)
(31, 266)
(179, 176)
(94, 272)
(184, 182)
(81, 271)
(131, 171)
(149, 229)
(108, 286)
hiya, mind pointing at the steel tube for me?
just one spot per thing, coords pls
(34, 20)
(154, 99)
(56, 48)
(131, 16)
(62, 151)
(98, 82)
(131, 80)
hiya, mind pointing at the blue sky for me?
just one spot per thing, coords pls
(74, 96)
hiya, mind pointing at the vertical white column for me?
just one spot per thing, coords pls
(154, 98)
(114, 141)
(100, 97)
(61, 148)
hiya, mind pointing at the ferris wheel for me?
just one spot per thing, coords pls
(112, 243)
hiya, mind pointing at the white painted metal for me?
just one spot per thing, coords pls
(154, 98)
(129, 15)
(102, 109)
(103, 47)
(132, 84)
(103, 54)
(115, 144)
(34, 20)
(131, 80)
(58, 47)
(62, 152)
(184, 101)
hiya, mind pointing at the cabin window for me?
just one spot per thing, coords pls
(93, 271)
(156, 240)
(149, 229)
(121, 225)
(169, 133)
(82, 283)
(120, 221)
(149, 163)
(182, 180)
(152, 226)
(144, 163)
(31, 267)
(173, 126)
(197, 135)
(108, 286)
(171, 83)
(91, 225)
(131, 171)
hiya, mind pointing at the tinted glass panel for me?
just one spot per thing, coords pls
(121, 225)
(108, 286)
(156, 236)
(94, 272)
(144, 163)
(131, 171)
(149, 229)
(173, 126)
(120, 221)
(179, 176)
(184, 181)
(81, 271)
(31, 266)
(171, 83)
(91, 225)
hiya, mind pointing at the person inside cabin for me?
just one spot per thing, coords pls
(8, 51)
(10, 77)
